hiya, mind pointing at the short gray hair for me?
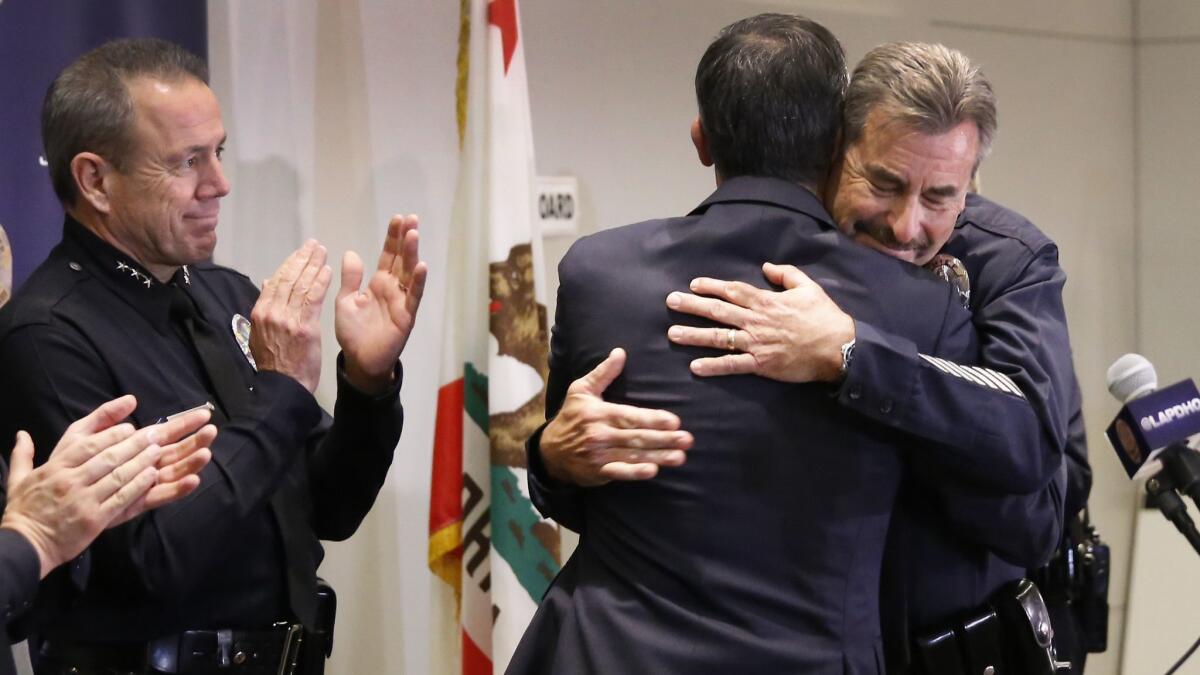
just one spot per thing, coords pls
(88, 107)
(929, 88)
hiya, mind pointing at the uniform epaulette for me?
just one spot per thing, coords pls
(50, 284)
(990, 217)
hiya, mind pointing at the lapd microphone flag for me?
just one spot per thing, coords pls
(1151, 419)
(493, 554)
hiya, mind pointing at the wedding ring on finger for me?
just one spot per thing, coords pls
(731, 340)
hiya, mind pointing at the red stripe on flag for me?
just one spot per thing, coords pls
(474, 661)
(445, 494)
(503, 15)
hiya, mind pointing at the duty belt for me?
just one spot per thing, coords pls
(195, 652)
(1011, 635)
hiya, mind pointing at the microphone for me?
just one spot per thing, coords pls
(1150, 419)
(1157, 423)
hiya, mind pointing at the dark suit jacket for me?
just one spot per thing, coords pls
(762, 553)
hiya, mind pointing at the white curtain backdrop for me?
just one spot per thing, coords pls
(308, 157)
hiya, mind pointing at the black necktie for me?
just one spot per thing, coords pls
(218, 360)
(215, 356)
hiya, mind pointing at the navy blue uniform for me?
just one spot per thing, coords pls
(949, 550)
(762, 553)
(90, 325)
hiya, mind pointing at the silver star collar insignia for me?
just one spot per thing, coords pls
(134, 274)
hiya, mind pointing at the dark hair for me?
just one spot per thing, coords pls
(88, 108)
(770, 90)
(929, 88)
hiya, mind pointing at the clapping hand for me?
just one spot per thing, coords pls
(372, 324)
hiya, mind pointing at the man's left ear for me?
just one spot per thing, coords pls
(701, 143)
(91, 174)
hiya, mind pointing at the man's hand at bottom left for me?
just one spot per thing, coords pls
(101, 473)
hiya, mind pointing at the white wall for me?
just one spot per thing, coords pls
(339, 115)
(1164, 598)
(342, 113)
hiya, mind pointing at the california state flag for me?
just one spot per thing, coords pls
(487, 543)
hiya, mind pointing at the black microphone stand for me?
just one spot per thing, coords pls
(1161, 491)
(1183, 465)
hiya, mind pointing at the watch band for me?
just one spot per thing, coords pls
(847, 355)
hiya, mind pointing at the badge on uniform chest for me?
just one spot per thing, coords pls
(241, 331)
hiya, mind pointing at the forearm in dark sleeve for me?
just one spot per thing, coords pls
(554, 499)
(19, 572)
(563, 502)
(352, 454)
(1023, 529)
(1023, 335)
(981, 432)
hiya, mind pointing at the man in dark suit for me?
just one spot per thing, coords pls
(956, 539)
(762, 553)
(952, 547)
(101, 474)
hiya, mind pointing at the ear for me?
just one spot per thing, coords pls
(834, 179)
(975, 182)
(90, 172)
(701, 143)
(838, 151)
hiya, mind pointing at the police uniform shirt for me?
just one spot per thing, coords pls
(1018, 297)
(950, 554)
(1012, 416)
(90, 325)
